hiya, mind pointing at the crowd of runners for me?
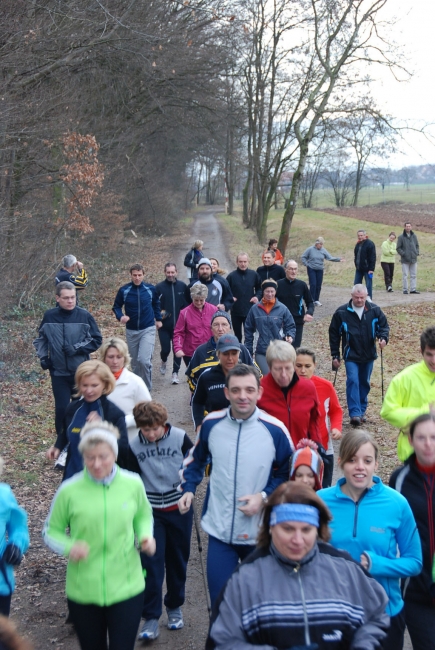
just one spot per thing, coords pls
(292, 561)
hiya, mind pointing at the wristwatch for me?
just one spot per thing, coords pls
(263, 496)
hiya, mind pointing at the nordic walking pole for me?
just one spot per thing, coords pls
(382, 375)
(204, 577)
(335, 377)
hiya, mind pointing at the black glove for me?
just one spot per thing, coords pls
(12, 555)
(69, 350)
(46, 363)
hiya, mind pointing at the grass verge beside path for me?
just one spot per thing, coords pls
(340, 239)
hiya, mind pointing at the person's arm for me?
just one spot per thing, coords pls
(123, 445)
(397, 406)
(18, 532)
(92, 340)
(399, 247)
(289, 326)
(227, 295)
(334, 336)
(373, 631)
(41, 346)
(280, 469)
(156, 305)
(192, 469)
(143, 519)
(308, 300)
(249, 330)
(118, 305)
(132, 464)
(79, 280)
(382, 327)
(306, 256)
(55, 525)
(372, 257)
(335, 411)
(409, 562)
(187, 445)
(417, 246)
(179, 332)
(189, 260)
(199, 401)
(329, 257)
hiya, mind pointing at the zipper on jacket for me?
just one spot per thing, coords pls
(304, 605)
(104, 545)
(173, 303)
(64, 353)
(235, 485)
(355, 517)
(138, 306)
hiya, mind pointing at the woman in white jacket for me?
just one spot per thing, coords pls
(130, 389)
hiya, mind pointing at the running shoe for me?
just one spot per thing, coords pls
(163, 368)
(318, 303)
(175, 619)
(175, 379)
(150, 630)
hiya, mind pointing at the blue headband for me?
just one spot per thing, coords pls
(294, 512)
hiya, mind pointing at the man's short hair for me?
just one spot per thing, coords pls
(242, 370)
(358, 288)
(136, 267)
(240, 255)
(361, 230)
(280, 351)
(270, 251)
(427, 338)
(65, 285)
(290, 261)
(407, 223)
(69, 261)
(168, 264)
(150, 414)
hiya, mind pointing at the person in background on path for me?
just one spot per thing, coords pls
(67, 336)
(314, 259)
(192, 258)
(14, 543)
(244, 284)
(273, 246)
(209, 393)
(219, 292)
(105, 510)
(388, 258)
(375, 525)
(94, 381)
(357, 324)
(409, 250)
(193, 324)
(307, 465)
(129, 388)
(141, 318)
(271, 320)
(270, 270)
(364, 256)
(416, 481)
(215, 267)
(293, 294)
(331, 413)
(72, 271)
(250, 452)
(412, 393)
(205, 355)
(290, 398)
(172, 298)
(297, 591)
(157, 453)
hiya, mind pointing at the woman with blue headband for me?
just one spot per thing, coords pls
(295, 590)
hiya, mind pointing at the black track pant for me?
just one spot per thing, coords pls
(63, 390)
(420, 621)
(121, 621)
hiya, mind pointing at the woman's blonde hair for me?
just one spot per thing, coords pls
(280, 351)
(97, 433)
(117, 343)
(198, 291)
(95, 367)
(198, 243)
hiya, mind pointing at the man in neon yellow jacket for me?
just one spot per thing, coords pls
(412, 393)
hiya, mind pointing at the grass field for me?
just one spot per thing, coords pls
(323, 198)
(340, 239)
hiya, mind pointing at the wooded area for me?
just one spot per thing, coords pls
(119, 114)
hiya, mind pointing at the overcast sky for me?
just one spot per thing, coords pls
(414, 100)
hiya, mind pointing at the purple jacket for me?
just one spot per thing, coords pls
(193, 328)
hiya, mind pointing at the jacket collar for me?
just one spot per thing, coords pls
(373, 490)
(292, 565)
(251, 418)
(144, 441)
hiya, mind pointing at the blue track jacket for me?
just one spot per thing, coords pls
(141, 303)
(382, 526)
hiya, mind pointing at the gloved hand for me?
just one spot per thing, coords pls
(12, 555)
(46, 363)
(69, 350)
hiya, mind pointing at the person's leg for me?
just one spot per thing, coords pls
(405, 271)
(176, 362)
(123, 621)
(298, 336)
(312, 279)
(261, 362)
(155, 571)
(63, 390)
(178, 533)
(387, 276)
(319, 282)
(243, 550)
(237, 322)
(145, 355)
(413, 276)
(420, 621)
(165, 344)
(395, 633)
(352, 389)
(222, 559)
(133, 339)
(5, 605)
(364, 374)
(369, 284)
(328, 470)
(90, 625)
(358, 277)
(392, 272)
(186, 360)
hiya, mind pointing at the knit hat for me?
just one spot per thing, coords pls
(269, 283)
(204, 260)
(308, 456)
(221, 314)
(227, 342)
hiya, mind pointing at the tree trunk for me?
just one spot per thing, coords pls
(294, 193)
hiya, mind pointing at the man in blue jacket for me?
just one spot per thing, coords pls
(141, 317)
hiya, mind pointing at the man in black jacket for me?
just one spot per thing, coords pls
(365, 260)
(293, 294)
(67, 336)
(270, 269)
(244, 284)
(172, 300)
(357, 324)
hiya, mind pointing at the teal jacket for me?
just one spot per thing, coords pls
(382, 526)
(13, 530)
(107, 518)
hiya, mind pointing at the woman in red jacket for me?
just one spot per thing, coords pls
(290, 398)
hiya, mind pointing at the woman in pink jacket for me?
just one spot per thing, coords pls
(193, 324)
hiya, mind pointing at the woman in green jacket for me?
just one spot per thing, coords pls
(104, 508)
(388, 258)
